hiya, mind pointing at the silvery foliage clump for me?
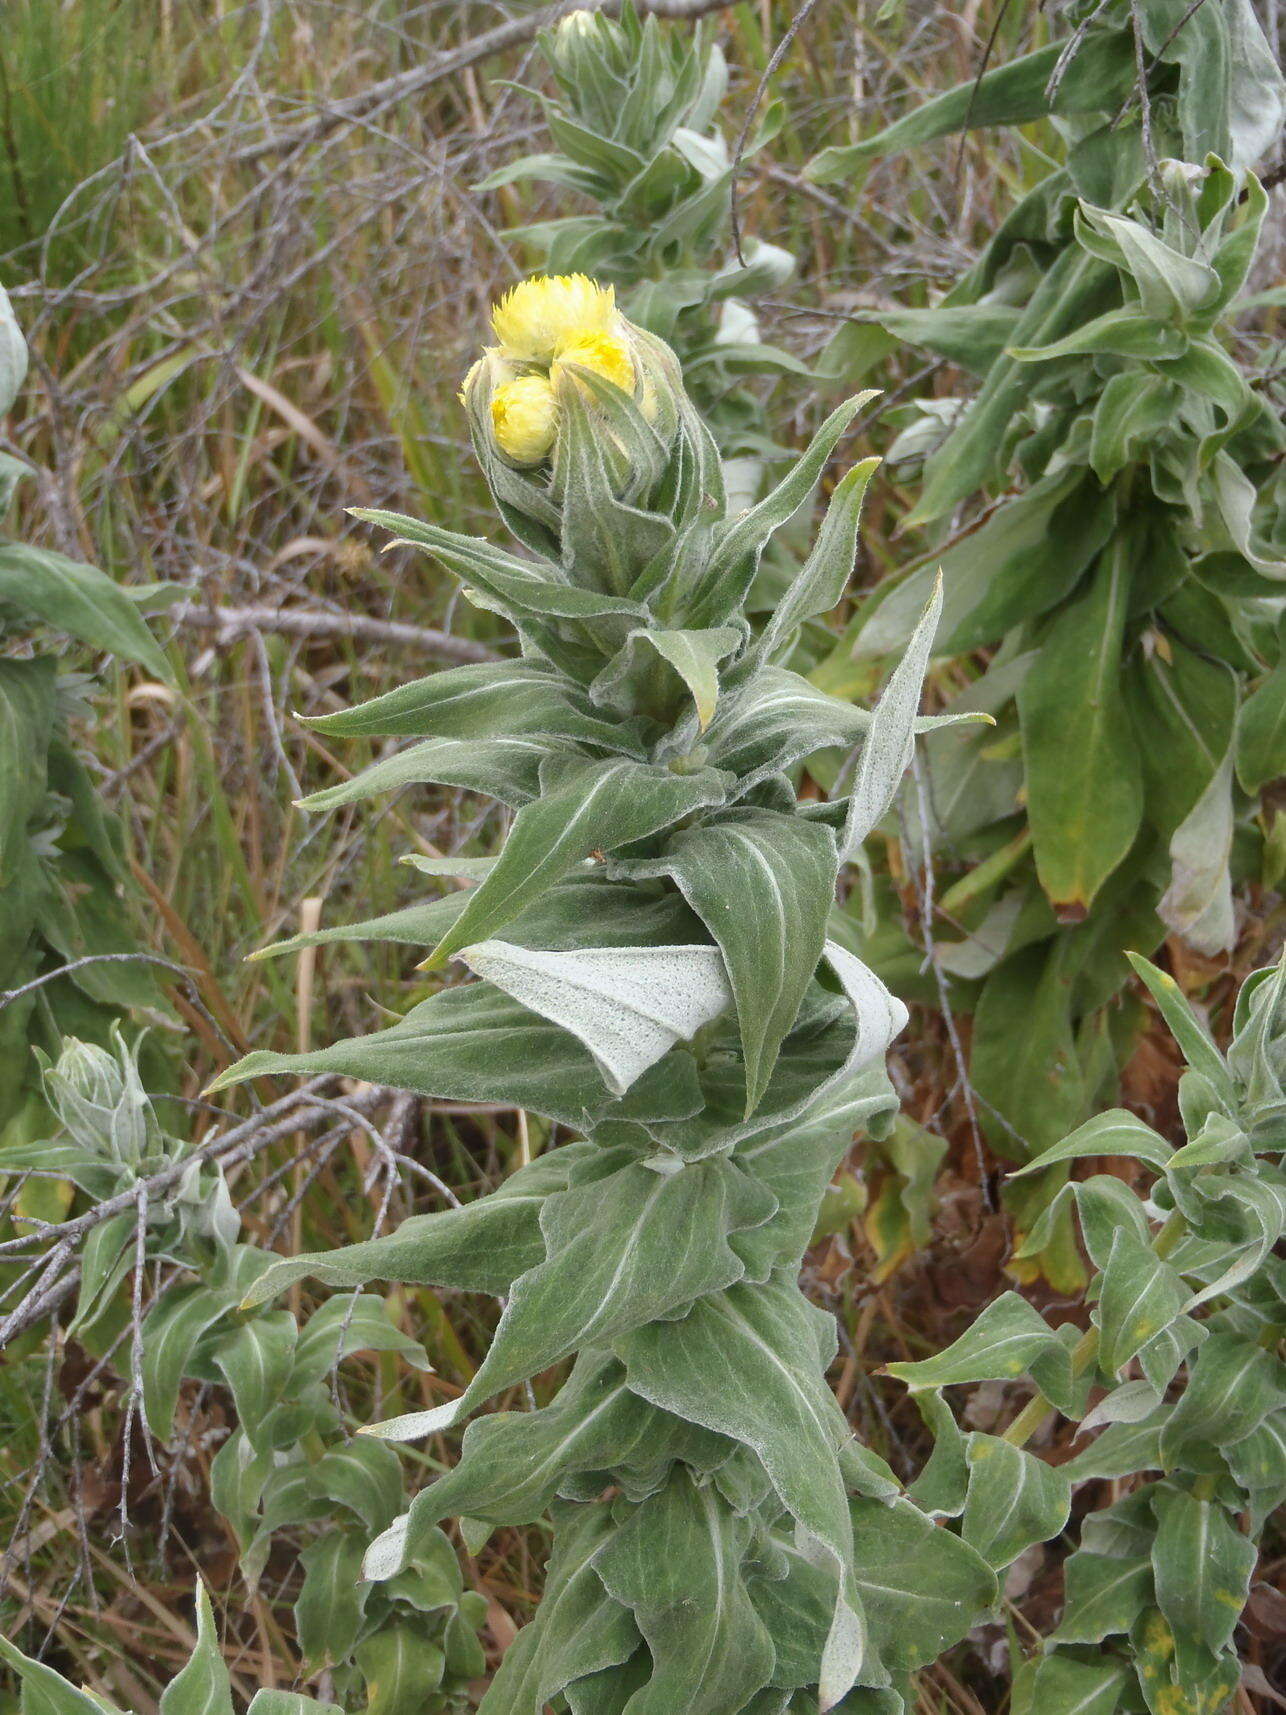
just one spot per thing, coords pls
(634, 121)
(653, 973)
(1187, 1310)
(1127, 571)
(62, 860)
(291, 1476)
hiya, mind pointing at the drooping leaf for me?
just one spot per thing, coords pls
(1202, 1565)
(78, 600)
(1014, 1500)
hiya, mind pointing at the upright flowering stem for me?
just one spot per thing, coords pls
(653, 972)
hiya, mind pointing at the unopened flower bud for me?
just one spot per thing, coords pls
(100, 1100)
(524, 419)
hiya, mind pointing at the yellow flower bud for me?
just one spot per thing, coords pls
(524, 418)
(605, 353)
(535, 318)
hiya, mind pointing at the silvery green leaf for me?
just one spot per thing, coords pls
(488, 700)
(289, 1703)
(1235, 498)
(256, 1360)
(629, 1006)
(1202, 1564)
(776, 719)
(939, 1489)
(1104, 1596)
(1171, 287)
(887, 748)
(1014, 1500)
(1192, 1036)
(507, 769)
(823, 577)
(922, 1587)
(1256, 88)
(762, 882)
(1059, 1685)
(441, 1049)
(745, 1364)
(677, 1564)
(1140, 1295)
(79, 600)
(482, 1247)
(578, 1628)
(593, 806)
(362, 1475)
(1001, 1344)
(1198, 902)
(740, 540)
(643, 658)
(171, 1330)
(45, 1692)
(1132, 1402)
(351, 1324)
(1258, 1461)
(13, 354)
(1116, 1132)
(1232, 1386)
(331, 1605)
(512, 1464)
(401, 1666)
(202, 1686)
(624, 1249)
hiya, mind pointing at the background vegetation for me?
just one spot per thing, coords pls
(250, 252)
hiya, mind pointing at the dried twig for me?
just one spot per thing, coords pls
(229, 623)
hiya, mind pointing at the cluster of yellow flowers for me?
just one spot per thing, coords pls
(548, 328)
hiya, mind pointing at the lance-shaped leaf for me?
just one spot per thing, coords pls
(1189, 1032)
(887, 749)
(482, 1247)
(1116, 1132)
(44, 1690)
(636, 676)
(776, 719)
(1003, 1342)
(678, 1564)
(1084, 783)
(623, 1249)
(1140, 1295)
(507, 769)
(78, 600)
(513, 1463)
(487, 700)
(628, 1005)
(289, 1703)
(739, 542)
(1014, 1500)
(748, 1363)
(823, 578)
(201, 1686)
(476, 1044)
(763, 883)
(578, 1628)
(514, 587)
(27, 701)
(598, 806)
(1202, 1565)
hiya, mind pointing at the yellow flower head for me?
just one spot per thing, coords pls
(538, 316)
(524, 418)
(605, 353)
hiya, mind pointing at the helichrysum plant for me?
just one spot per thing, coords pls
(1126, 573)
(1188, 1317)
(652, 972)
(634, 121)
(290, 1476)
(61, 851)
